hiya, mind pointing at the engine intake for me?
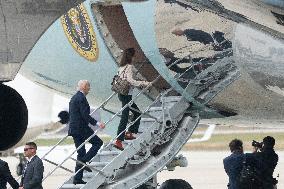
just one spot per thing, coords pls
(13, 117)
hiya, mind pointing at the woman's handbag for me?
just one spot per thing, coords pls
(120, 85)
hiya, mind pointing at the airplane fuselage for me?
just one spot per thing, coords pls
(57, 63)
(87, 43)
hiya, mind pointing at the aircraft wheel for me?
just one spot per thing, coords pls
(175, 184)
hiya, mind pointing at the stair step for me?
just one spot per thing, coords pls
(156, 108)
(88, 175)
(126, 142)
(171, 99)
(95, 165)
(146, 119)
(72, 186)
(155, 111)
(145, 124)
(135, 175)
(98, 165)
(105, 156)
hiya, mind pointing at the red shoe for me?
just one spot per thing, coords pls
(118, 145)
(129, 136)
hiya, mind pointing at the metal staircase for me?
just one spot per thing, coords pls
(166, 125)
(160, 140)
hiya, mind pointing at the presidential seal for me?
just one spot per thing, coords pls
(80, 33)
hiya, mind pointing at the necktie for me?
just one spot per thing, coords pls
(24, 170)
(23, 173)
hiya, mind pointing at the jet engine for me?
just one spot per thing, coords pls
(13, 117)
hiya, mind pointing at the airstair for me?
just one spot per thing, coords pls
(166, 125)
(149, 153)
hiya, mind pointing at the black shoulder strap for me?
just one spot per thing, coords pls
(122, 73)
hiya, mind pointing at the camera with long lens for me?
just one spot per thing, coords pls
(257, 144)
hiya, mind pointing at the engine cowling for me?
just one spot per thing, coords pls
(13, 117)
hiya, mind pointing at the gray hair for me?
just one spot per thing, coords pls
(81, 83)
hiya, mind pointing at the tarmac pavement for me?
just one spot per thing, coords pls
(204, 171)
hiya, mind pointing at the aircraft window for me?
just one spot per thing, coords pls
(279, 17)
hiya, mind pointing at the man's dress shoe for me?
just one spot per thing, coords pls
(87, 169)
(79, 182)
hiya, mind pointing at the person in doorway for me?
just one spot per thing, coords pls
(79, 118)
(126, 72)
(33, 170)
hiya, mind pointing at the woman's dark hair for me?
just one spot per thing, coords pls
(127, 56)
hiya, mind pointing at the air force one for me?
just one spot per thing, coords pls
(220, 61)
(87, 41)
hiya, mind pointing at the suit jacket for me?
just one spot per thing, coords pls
(33, 174)
(233, 165)
(265, 163)
(5, 176)
(79, 112)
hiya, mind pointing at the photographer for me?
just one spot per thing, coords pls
(265, 159)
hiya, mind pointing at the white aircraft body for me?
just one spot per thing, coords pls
(220, 61)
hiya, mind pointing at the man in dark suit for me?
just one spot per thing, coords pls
(79, 112)
(264, 160)
(33, 170)
(5, 176)
(233, 163)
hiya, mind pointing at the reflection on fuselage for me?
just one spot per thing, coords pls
(188, 43)
(193, 39)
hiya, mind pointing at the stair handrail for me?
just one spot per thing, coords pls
(130, 124)
(106, 123)
(101, 106)
(110, 143)
(127, 105)
(66, 136)
(59, 165)
(115, 115)
(142, 113)
(145, 89)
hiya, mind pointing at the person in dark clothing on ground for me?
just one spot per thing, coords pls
(264, 159)
(233, 163)
(32, 174)
(79, 111)
(5, 176)
(175, 184)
